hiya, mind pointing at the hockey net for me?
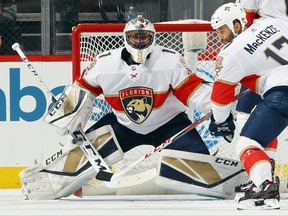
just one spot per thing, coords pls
(88, 40)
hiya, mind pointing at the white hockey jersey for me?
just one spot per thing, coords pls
(257, 58)
(146, 96)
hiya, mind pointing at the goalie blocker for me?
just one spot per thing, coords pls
(71, 111)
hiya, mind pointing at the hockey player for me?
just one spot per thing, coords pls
(258, 59)
(246, 104)
(148, 87)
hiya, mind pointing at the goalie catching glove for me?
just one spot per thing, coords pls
(224, 129)
(71, 111)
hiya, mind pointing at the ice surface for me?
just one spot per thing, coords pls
(12, 203)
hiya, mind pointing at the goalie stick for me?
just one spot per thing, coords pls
(83, 142)
(114, 176)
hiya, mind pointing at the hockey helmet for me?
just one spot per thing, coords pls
(226, 14)
(139, 37)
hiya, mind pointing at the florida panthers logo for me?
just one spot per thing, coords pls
(137, 103)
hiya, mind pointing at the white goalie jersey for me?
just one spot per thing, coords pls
(142, 95)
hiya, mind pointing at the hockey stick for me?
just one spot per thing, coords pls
(114, 176)
(83, 142)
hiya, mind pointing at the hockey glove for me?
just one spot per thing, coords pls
(224, 129)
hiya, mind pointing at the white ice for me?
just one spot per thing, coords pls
(12, 203)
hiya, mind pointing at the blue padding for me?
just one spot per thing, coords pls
(247, 102)
(269, 118)
(108, 148)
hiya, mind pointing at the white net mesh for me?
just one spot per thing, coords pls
(95, 42)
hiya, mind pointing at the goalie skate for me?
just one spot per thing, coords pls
(267, 197)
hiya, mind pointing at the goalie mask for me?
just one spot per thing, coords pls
(226, 14)
(139, 36)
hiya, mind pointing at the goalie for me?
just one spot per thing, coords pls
(148, 86)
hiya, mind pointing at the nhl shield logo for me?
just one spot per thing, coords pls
(137, 103)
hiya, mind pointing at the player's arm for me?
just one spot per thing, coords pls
(195, 93)
(224, 93)
(250, 8)
(250, 16)
(190, 89)
(222, 98)
(222, 121)
(230, 72)
(252, 82)
(85, 80)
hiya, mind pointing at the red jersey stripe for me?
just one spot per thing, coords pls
(191, 84)
(223, 93)
(251, 82)
(97, 90)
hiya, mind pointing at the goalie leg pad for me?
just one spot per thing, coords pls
(57, 178)
(106, 143)
(200, 174)
(60, 177)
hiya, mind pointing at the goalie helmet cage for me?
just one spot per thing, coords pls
(88, 40)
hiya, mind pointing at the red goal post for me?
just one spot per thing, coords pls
(88, 40)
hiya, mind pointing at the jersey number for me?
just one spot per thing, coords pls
(278, 44)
